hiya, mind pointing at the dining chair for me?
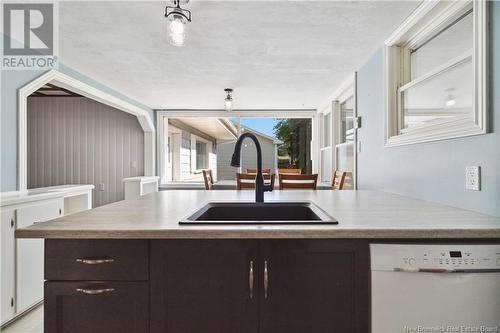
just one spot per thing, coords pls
(208, 178)
(338, 179)
(293, 171)
(246, 181)
(254, 171)
(295, 181)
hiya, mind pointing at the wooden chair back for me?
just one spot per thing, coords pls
(246, 181)
(338, 179)
(264, 171)
(208, 178)
(289, 171)
(291, 181)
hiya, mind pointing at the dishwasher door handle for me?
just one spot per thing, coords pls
(446, 270)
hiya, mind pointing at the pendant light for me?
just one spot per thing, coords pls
(177, 19)
(228, 101)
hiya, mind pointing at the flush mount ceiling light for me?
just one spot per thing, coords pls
(228, 101)
(450, 100)
(178, 18)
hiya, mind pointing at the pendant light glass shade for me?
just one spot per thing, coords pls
(228, 105)
(177, 30)
(177, 19)
(228, 101)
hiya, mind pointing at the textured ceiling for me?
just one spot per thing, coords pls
(283, 54)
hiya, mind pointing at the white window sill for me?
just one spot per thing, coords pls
(439, 132)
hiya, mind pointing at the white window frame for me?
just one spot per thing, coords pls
(427, 20)
(348, 91)
(208, 143)
(326, 147)
(345, 91)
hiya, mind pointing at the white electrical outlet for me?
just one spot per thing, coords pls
(101, 187)
(473, 178)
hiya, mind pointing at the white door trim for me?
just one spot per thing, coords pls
(86, 90)
(161, 114)
(281, 113)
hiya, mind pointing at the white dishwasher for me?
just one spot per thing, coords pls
(435, 288)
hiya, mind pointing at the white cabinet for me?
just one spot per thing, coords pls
(7, 288)
(136, 187)
(29, 275)
(21, 261)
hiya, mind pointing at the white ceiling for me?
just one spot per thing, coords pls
(275, 54)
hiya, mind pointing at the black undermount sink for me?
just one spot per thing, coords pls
(215, 213)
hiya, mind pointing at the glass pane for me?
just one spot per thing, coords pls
(201, 155)
(294, 149)
(346, 120)
(326, 130)
(264, 129)
(345, 157)
(447, 95)
(448, 44)
(326, 164)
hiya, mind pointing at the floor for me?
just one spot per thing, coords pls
(30, 323)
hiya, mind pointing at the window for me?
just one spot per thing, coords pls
(201, 155)
(344, 149)
(436, 79)
(342, 153)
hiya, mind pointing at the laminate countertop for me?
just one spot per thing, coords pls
(361, 214)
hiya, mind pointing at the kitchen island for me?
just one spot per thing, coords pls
(130, 267)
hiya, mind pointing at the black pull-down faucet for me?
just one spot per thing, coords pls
(260, 188)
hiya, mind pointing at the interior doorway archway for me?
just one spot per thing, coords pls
(67, 82)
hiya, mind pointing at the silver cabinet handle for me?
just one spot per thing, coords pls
(266, 279)
(89, 261)
(250, 279)
(90, 291)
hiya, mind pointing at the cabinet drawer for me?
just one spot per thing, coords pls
(114, 260)
(39, 212)
(107, 307)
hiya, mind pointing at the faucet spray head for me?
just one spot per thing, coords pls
(235, 160)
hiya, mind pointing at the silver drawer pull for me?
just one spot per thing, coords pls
(94, 261)
(89, 291)
(266, 279)
(250, 279)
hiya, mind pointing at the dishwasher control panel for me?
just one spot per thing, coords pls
(432, 256)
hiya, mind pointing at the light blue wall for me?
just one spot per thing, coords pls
(10, 82)
(431, 171)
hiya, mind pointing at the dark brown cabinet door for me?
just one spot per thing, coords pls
(204, 286)
(314, 286)
(96, 307)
